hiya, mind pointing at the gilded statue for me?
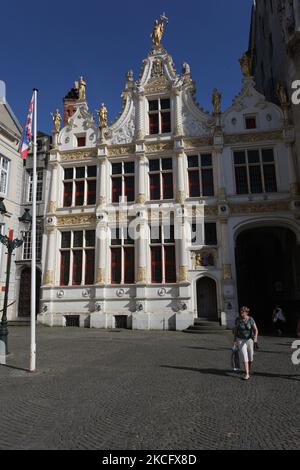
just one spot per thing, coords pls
(282, 94)
(158, 30)
(81, 87)
(245, 63)
(198, 260)
(216, 101)
(102, 115)
(56, 120)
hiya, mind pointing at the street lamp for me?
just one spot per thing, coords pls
(11, 245)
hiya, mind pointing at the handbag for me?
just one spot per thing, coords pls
(235, 358)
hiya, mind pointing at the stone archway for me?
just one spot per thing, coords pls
(207, 306)
(25, 292)
(267, 271)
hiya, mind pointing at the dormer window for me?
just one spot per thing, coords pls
(81, 141)
(159, 116)
(250, 122)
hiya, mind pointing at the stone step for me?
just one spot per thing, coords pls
(208, 332)
(19, 322)
(206, 327)
(206, 323)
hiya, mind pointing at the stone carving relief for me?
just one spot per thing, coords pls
(191, 126)
(125, 134)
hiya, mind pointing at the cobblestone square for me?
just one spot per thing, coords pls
(120, 389)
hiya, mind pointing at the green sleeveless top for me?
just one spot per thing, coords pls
(245, 328)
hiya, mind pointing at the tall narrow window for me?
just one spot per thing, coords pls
(80, 186)
(27, 245)
(122, 182)
(3, 174)
(77, 257)
(255, 171)
(159, 116)
(122, 257)
(39, 187)
(163, 256)
(161, 179)
(200, 171)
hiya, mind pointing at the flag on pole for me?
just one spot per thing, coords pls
(27, 134)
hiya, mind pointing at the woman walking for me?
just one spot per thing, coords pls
(245, 336)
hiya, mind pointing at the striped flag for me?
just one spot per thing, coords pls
(27, 134)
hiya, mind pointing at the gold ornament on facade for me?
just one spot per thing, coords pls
(227, 272)
(49, 278)
(100, 276)
(254, 208)
(197, 142)
(141, 199)
(115, 151)
(180, 197)
(157, 85)
(253, 137)
(157, 68)
(183, 274)
(282, 95)
(101, 201)
(102, 115)
(52, 207)
(198, 260)
(245, 62)
(158, 30)
(216, 100)
(204, 259)
(79, 219)
(76, 155)
(56, 118)
(141, 274)
(294, 189)
(151, 148)
(81, 87)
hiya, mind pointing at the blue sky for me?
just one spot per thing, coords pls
(49, 44)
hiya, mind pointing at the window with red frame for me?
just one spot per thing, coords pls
(159, 116)
(200, 173)
(80, 186)
(81, 141)
(77, 257)
(161, 179)
(123, 182)
(250, 122)
(163, 255)
(122, 257)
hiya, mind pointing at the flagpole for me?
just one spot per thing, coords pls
(33, 244)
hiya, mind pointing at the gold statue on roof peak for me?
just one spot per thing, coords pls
(158, 30)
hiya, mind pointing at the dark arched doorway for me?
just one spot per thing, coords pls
(207, 306)
(25, 292)
(266, 271)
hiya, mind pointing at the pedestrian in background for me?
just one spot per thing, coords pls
(245, 336)
(279, 319)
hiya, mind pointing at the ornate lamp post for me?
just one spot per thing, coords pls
(11, 245)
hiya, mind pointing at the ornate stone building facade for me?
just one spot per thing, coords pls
(170, 213)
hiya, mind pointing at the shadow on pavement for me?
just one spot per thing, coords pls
(15, 368)
(230, 374)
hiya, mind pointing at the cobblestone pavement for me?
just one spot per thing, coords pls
(98, 389)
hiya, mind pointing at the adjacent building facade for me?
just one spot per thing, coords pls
(170, 213)
(23, 257)
(275, 51)
(11, 173)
